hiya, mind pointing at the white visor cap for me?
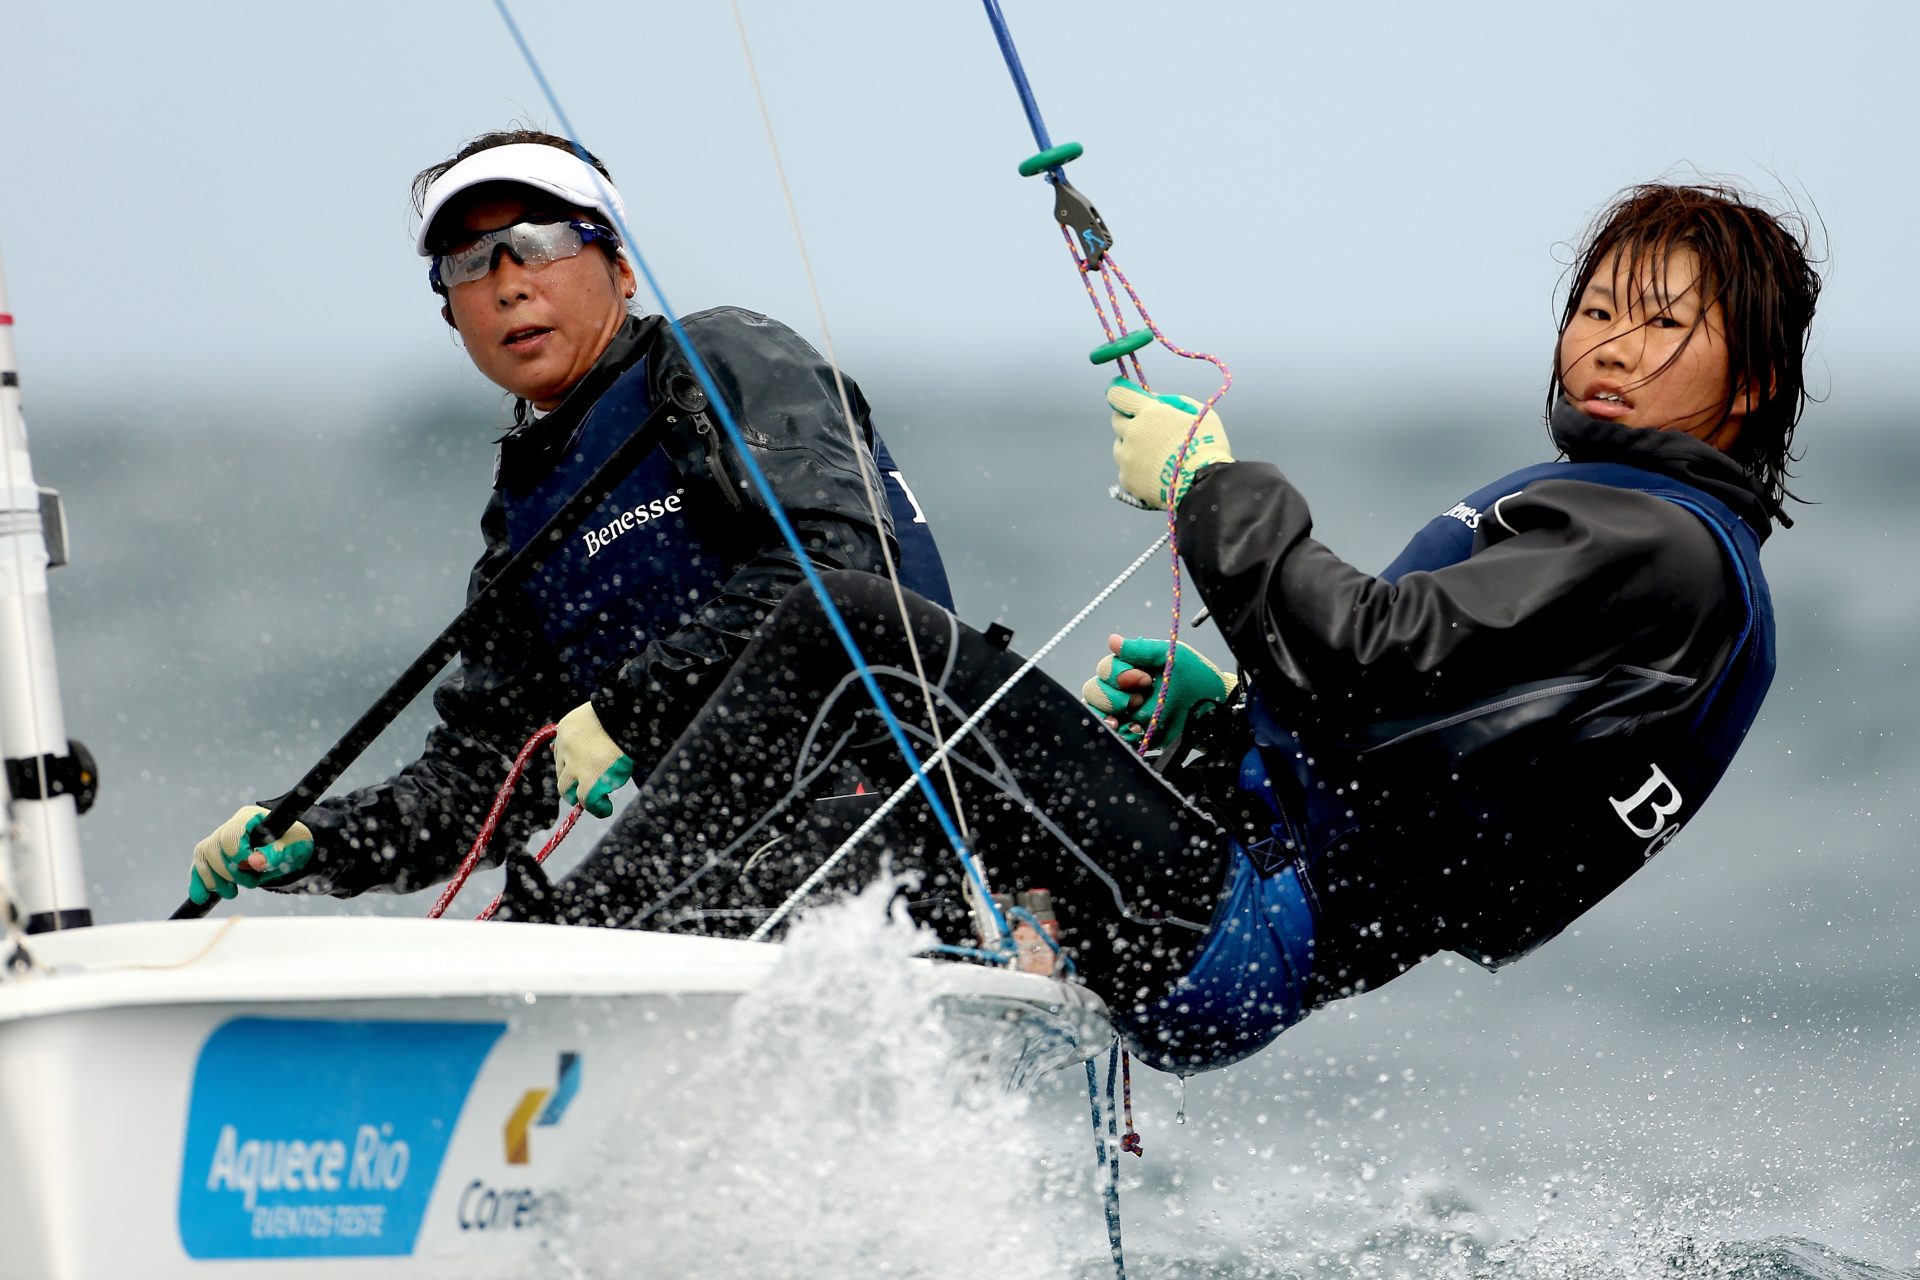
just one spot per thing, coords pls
(529, 164)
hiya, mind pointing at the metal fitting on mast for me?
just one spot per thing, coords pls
(40, 838)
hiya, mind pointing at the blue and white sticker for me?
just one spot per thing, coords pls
(311, 1138)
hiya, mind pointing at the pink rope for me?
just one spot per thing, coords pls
(1116, 328)
(1106, 325)
(1109, 272)
(1133, 358)
(480, 842)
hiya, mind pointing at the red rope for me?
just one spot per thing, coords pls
(553, 842)
(1130, 1141)
(480, 842)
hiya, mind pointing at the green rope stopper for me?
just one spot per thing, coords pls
(1121, 346)
(1051, 158)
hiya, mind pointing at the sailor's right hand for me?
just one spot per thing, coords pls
(1125, 686)
(1158, 446)
(588, 764)
(227, 861)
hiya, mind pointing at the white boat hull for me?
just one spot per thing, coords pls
(268, 1097)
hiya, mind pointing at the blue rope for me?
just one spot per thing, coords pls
(1113, 1160)
(760, 483)
(1019, 74)
(1028, 918)
(1003, 956)
(1107, 1154)
(1003, 952)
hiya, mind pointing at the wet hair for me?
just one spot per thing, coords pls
(1758, 265)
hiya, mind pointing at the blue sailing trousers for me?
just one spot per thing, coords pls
(1249, 981)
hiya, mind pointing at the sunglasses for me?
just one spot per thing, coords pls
(532, 244)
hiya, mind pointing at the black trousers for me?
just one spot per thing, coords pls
(756, 794)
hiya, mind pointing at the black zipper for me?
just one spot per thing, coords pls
(717, 458)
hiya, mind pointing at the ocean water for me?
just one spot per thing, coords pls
(1709, 1076)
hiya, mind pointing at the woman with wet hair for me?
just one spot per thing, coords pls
(1462, 752)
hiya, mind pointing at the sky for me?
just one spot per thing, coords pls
(1351, 203)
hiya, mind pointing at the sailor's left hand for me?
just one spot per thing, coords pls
(1125, 686)
(586, 756)
(227, 861)
(1148, 432)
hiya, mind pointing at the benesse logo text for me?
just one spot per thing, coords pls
(627, 521)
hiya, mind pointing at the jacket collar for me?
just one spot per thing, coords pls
(537, 442)
(1587, 439)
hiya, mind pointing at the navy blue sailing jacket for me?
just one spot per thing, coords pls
(640, 564)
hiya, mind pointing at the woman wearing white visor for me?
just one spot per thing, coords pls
(625, 629)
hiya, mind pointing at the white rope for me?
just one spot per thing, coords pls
(900, 793)
(846, 406)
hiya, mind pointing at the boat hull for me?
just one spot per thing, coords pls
(271, 1096)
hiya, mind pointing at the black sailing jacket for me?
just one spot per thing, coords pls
(726, 570)
(1572, 579)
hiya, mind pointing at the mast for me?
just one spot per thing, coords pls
(40, 836)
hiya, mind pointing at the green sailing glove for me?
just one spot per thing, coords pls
(1147, 434)
(584, 754)
(1125, 685)
(226, 861)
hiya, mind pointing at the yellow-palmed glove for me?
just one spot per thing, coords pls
(227, 862)
(1148, 431)
(586, 756)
